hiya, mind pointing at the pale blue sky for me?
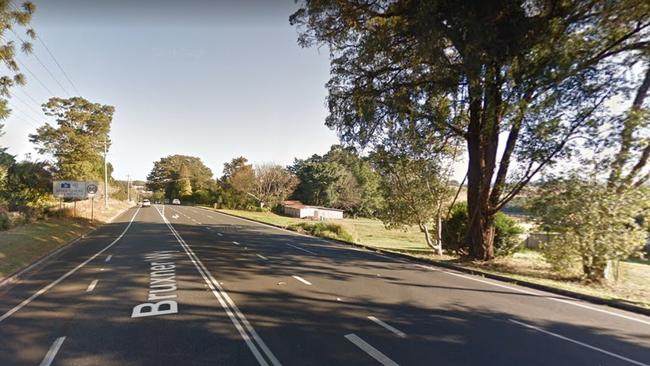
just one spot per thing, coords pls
(213, 79)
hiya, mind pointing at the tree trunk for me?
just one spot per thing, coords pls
(427, 237)
(597, 270)
(439, 235)
(480, 228)
(482, 143)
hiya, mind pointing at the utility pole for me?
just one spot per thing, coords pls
(128, 187)
(105, 172)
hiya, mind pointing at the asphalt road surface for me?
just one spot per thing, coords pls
(197, 287)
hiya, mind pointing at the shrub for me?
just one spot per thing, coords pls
(323, 229)
(5, 223)
(506, 240)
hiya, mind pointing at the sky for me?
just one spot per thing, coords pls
(212, 79)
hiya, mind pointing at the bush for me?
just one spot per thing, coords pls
(323, 229)
(506, 240)
(5, 223)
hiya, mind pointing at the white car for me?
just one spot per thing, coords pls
(176, 201)
(146, 203)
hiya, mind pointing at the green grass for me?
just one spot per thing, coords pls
(362, 231)
(528, 265)
(25, 244)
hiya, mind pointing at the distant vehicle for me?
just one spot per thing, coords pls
(166, 201)
(156, 202)
(176, 201)
(146, 203)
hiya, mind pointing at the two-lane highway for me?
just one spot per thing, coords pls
(199, 287)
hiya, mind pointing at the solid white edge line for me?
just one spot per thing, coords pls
(67, 274)
(51, 353)
(225, 301)
(108, 258)
(398, 332)
(92, 286)
(370, 350)
(541, 295)
(299, 248)
(579, 343)
(302, 280)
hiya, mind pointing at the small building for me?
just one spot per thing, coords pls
(299, 209)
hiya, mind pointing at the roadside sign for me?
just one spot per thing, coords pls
(91, 188)
(73, 189)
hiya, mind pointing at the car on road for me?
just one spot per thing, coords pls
(166, 201)
(146, 203)
(176, 201)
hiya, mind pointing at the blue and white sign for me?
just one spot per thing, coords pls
(73, 189)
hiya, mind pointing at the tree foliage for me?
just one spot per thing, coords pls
(273, 184)
(595, 224)
(454, 227)
(534, 71)
(76, 141)
(12, 17)
(178, 176)
(340, 179)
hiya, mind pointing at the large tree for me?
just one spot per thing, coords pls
(76, 141)
(531, 72)
(179, 175)
(273, 184)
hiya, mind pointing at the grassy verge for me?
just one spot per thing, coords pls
(362, 231)
(25, 244)
(632, 285)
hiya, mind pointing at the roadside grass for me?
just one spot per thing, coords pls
(528, 265)
(25, 244)
(632, 285)
(363, 231)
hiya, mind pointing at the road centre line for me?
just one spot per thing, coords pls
(51, 353)
(239, 321)
(567, 301)
(302, 280)
(92, 286)
(236, 243)
(220, 234)
(299, 248)
(398, 332)
(67, 274)
(579, 343)
(108, 258)
(372, 351)
(261, 256)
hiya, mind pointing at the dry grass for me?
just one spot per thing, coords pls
(25, 244)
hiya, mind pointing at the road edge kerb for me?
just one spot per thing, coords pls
(16, 275)
(589, 298)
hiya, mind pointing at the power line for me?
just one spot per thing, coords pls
(42, 64)
(35, 77)
(26, 104)
(65, 74)
(29, 96)
(23, 115)
(58, 64)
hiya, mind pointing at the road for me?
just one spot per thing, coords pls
(196, 287)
